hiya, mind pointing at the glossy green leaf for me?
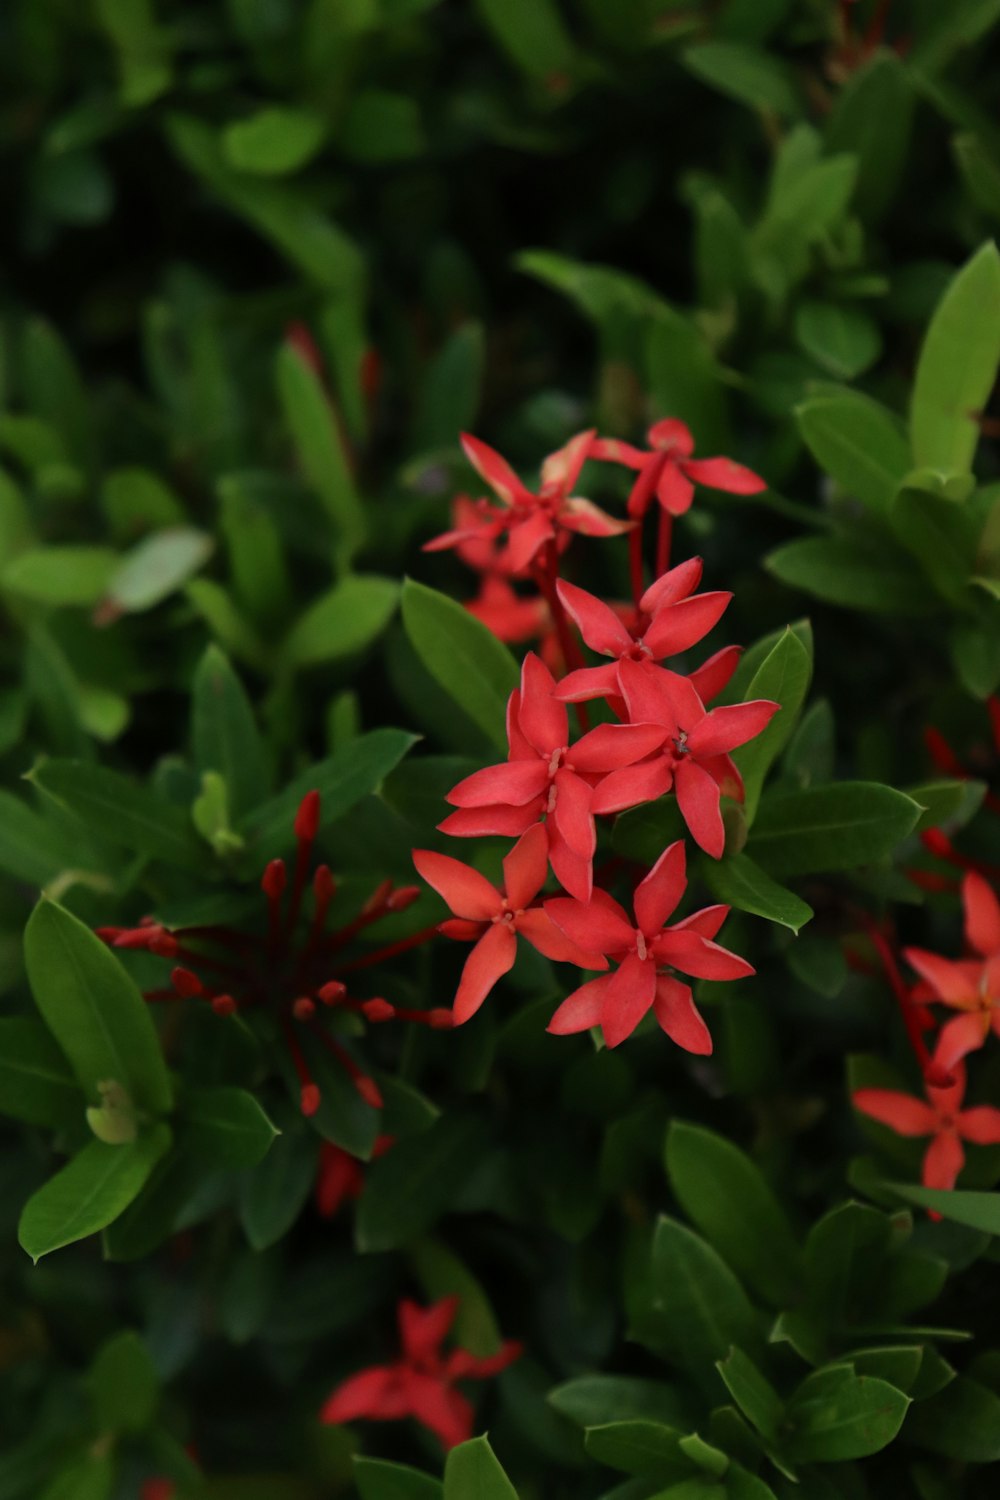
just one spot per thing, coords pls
(377, 1479)
(843, 571)
(94, 1010)
(89, 1192)
(837, 827)
(342, 622)
(977, 1210)
(319, 443)
(961, 1422)
(31, 849)
(702, 1308)
(228, 1125)
(472, 1472)
(836, 1414)
(411, 1186)
(225, 735)
(739, 882)
(725, 1195)
(276, 1191)
(36, 1083)
(116, 809)
(462, 655)
(957, 366)
(783, 677)
(940, 534)
(593, 1400)
(859, 443)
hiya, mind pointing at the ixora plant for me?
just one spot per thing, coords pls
(270, 1040)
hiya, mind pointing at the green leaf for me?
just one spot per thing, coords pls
(975, 655)
(91, 1477)
(844, 571)
(377, 1479)
(836, 1415)
(224, 733)
(442, 1274)
(957, 366)
(228, 1125)
(977, 1210)
(859, 443)
(837, 827)
(747, 74)
(702, 1310)
(842, 339)
(382, 125)
(940, 534)
(463, 656)
(449, 393)
(157, 567)
(275, 1193)
(143, 49)
(255, 549)
(123, 1384)
(739, 882)
(356, 770)
(60, 576)
(533, 35)
(411, 1186)
(136, 500)
(594, 1400)
(724, 1193)
(472, 1472)
(89, 1192)
(343, 621)
(650, 1450)
(783, 677)
(872, 118)
(314, 427)
(36, 1084)
(343, 1116)
(980, 172)
(274, 141)
(94, 1010)
(55, 391)
(954, 802)
(114, 808)
(31, 849)
(962, 1421)
(226, 623)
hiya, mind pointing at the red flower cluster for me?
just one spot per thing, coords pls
(662, 739)
(422, 1382)
(299, 972)
(971, 987)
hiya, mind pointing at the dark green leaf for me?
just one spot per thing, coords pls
(412, 1185)
(377, 1479)
(275, 1192)
(228, 1126)
(844, 572)
(859, 443)
(783, 677)
(747, 74)
(116, 809)
(702, 1309)
(462, 655)
(978, 1210)
(649, 1450)
(836, 1415)
(838, 827)
(36, 1083)
(225, 735)
(472, 1472)
(739, 882)
(342, 622)
(123, 1384)
(320, 445)
(89, 1192)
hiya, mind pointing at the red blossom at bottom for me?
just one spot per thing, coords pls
(421, 1384)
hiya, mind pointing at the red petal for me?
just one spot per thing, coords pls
(981, 1125)
(901, 1112)
(644, 488)
(601, 926)
(627, 999)
(582, 1009)
(958, 1037)
(561, 469)
(724, 729)
(588, 519)
(574, 873)
(678, 1016)
(444, 1411)
(722, 769)
(609, 747)
(479, 822)
(698, 799)
(943, 1161)
(713, 675)
(671, 587)
(543, 720)
(982, 915)
(572, 814)
(542, 933)
(707, 921)
(519, 748)
(361, 1395)
(495, 470)
(526, 538)
(526, 867)
(465, 1366)
(676, 627)
(615, 452)
(674, 490)
(671, 435)
(687, 950)
(422, 1330)
(657, 896)
(597, 622)
(514, 783)
(459, 931)
(632, 786)
(724, 474)
(646, 693)
(955, 983)
(467, 893)
(587, 683)
(491, 958)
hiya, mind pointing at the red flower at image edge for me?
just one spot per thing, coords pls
(941, 1117)
(968, 985)
(645, 953)
(421, 1384)
(494, 919)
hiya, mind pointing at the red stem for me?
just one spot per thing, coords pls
(635, 561)
(664, 538)
(389, 951)
(547, 575)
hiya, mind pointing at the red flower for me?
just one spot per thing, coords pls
(494, 919)
(341, 1177)
(509, 615)
(669, 472)
(971, 986)
(645, 952)
(547, 777)
(421, 1383)
(942, 1118)
(671, 618)
(694, 759)
(531, 520)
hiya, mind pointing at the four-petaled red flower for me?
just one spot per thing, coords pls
(494, 919)
(421, 1383)
(645, 952)
(547, 777)
(668, 470)
(968, 985)
(672, 617)
(531, 520)
(941, 1117)
(693, 758)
